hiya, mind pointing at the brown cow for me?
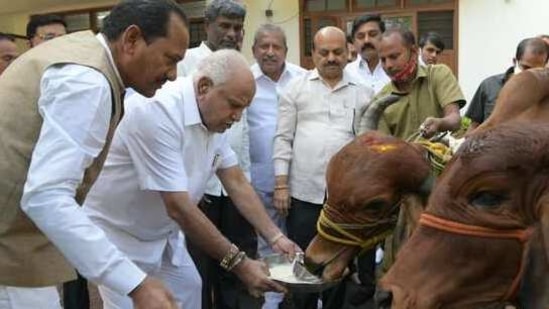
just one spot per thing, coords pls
(524, 97)
(366, 181)
(488, 208)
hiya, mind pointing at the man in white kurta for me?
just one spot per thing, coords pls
(224, 21)
(164, 145)
(271, 73)
(366, 34)
(169, 154)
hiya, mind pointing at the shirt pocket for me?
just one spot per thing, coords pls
(341, 114)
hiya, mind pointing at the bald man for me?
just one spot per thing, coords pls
(315, 119)
(166, 148)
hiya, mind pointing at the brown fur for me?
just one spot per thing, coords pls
(436, 269)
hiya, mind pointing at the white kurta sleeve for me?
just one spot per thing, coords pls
(75, 105)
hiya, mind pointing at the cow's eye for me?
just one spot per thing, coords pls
(486, 199)
(376, 205)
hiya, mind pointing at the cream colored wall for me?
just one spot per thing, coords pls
(17, 22)
(285, 14)
(489, 31)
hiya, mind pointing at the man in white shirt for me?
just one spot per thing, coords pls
(60, 105)
(271, 73)
(315, 119)
(224, 29)
(161, 157)
(42, 28)
(366, 34)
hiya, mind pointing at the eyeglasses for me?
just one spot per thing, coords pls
(48, 36)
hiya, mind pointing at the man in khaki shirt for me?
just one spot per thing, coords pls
(430, 96)
(430, 99)
(315, 119)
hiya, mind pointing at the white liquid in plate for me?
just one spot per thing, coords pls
(284, 273)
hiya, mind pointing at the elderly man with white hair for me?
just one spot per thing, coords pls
(165, 150)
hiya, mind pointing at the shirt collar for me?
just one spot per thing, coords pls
(507, 75)
(420, 60)
(190, 103)
(345, 80)
(257, 73)
(103, 42)
(204, 47)
(362, 63)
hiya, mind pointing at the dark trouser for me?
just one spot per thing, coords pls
(75, 294)
(301, 225)
(221, 289)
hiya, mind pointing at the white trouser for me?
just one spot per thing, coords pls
(183, 281)
(29, 298)
(272, 299)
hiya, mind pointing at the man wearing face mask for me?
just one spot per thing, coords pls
(530, 53)
(366, 34)
(430, 97)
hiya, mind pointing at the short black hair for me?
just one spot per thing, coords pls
(226, 8)
(361, 20)
(433, 38)
(151, 16)
(536, 46)
(43, 20)
(407, 36)
(6, 37)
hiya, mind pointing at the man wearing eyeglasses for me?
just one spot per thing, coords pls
(8, 51)
(41, 28)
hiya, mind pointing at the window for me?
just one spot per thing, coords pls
(441, 22)
(92, 18)
(197, 32)
(427, 2)
(325, 5)
(419, 16)
(77, 22)
(399, 21)
(373, 4)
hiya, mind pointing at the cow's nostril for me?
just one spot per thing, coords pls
(383, 299)
(314, 268)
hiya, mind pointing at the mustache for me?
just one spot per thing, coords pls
(229, 44)
(270, 58)
(367, 45)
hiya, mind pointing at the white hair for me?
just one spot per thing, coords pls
(220, 65)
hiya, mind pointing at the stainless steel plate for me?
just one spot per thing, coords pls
(281, 269)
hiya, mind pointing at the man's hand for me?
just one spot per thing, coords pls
(152, 294)
(255, 275)
(286, 246)
(430, 126)
(281, 200)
